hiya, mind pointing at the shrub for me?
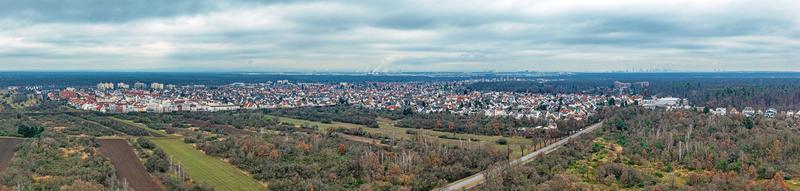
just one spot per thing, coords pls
(144, 143)
(29, 130)
(501, 141)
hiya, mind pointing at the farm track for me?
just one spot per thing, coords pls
(7, 147)
(128, 166)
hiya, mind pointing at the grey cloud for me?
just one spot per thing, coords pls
(362, 34)
(99, 10)
(434, 60)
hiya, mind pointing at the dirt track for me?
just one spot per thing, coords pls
(7, 147)
(127, 164)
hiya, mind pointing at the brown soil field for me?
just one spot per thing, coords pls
(128, 166)
(7, 147)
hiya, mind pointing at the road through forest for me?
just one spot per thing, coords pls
(479, 178)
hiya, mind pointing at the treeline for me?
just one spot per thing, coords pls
(653, 149)
(472, 124)
(299, 161)
(783, 94)
(251, 120)
(346, 114)
(483, 125)
(761, 93)
(116, 125)
(72, 125)
(59, 162)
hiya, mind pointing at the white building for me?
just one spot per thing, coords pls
(720, 111)
(157, 86)
(123, 85)
(771, 112)
(749, 112)
(105, 86)
(139, 85)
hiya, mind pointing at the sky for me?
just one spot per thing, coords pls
(399, 36)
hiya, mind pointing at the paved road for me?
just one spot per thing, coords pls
(479, 178)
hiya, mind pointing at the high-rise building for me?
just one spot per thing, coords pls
(170, 86)
(104, 86)
(139, 85)
(123, 85)
(157, 86)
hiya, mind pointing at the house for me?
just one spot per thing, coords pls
(771, 112)
(720, 111)
(733, 111)
(749, 112)
(667, 101)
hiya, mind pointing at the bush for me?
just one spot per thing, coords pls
(373, 125)
(144, 143)
(501, 141)
(157, 162)
(29, 130)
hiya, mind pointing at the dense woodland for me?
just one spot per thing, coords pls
(674, 150)
(236, 119)
(55, 161)
(759, 93)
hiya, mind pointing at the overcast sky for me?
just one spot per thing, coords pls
(427, 35)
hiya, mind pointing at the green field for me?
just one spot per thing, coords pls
(207, 169)
(387, 128)
(201, 168)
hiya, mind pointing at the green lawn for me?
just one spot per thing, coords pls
(387, 128)
(207, 169)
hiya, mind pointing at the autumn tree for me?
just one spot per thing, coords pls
(342, 149)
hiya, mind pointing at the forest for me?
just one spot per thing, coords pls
(782, 93)
(668, 150)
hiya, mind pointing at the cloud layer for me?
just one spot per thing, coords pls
(545, 35)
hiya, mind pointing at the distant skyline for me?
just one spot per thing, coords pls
(399, 36)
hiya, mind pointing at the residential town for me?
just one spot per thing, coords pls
(423, 97)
